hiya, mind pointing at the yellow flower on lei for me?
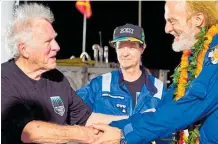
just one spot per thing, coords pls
(214, 55)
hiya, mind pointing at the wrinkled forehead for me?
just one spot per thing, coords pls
(175, 9)
(43, 29)
(42, 26)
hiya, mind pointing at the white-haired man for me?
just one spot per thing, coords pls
(38, 104)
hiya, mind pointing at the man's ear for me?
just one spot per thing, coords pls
(199, 20)
(23, 50)
(144, 47)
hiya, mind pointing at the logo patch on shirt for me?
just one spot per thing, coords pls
(123, 107)
(58, 105)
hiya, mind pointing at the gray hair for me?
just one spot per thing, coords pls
(20, 28)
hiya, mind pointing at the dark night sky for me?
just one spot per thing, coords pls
(105, 17)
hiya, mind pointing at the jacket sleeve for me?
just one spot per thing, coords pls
(167, 96)
(88, 92)
(200, 100)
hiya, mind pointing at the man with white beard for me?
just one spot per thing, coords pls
(194, 90)
(184, 42)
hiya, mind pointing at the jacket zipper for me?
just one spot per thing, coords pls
(131, 101)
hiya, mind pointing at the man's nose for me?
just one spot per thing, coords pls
(125, 51)
(55, 46)
(168, 28)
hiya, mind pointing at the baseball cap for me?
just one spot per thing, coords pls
(128, 32)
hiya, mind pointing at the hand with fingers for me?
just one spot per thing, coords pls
(87, 134)
(107, 135)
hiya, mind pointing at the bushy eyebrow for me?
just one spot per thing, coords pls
(171, 19)
(50, 39)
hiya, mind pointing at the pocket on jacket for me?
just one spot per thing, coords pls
(198, 90)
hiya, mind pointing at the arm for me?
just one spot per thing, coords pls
(51, 133)
(200, 100)
(103, 118)
(20, 122)
(43, 132)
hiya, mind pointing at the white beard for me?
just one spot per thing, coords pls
(186, 41)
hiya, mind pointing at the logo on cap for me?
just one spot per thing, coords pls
(126, 30)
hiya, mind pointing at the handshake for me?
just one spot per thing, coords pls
(99, 134)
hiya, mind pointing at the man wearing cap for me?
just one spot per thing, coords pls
(129, 90)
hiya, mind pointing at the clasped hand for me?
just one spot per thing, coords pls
(103, 134)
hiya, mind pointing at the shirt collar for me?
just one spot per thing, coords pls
(148, 82)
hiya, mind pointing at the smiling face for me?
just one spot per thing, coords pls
(129, 54)
(179, 25)
(43, 48)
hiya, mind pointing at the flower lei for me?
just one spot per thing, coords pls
(189, 68)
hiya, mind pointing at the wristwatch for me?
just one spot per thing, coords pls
(122, 140)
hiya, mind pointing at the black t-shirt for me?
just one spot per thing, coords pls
(49, 99)
(136, 86)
